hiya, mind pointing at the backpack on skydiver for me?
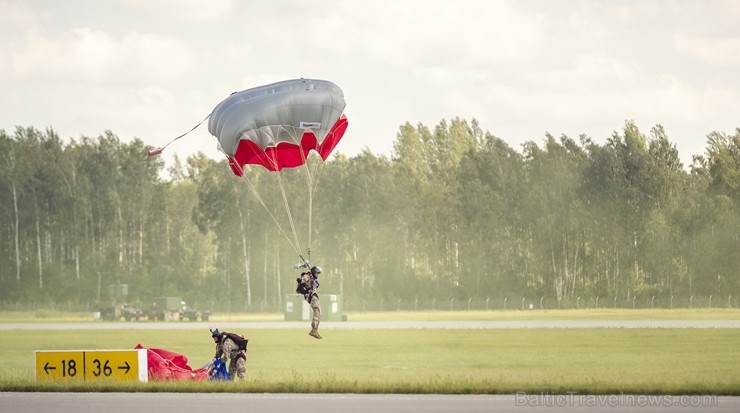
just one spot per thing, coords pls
(302, 288)
(238, 339)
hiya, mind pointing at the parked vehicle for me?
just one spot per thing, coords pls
(174, 309)
(118, 311)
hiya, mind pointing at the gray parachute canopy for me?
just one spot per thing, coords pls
(277, 125)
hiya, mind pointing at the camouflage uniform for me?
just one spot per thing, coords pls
(312, 297)
(316, 307)
(227, 348)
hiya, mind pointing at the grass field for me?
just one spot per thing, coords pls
(586, 361)
(581, 314)
(47, 315)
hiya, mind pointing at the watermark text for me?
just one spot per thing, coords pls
(571, 399)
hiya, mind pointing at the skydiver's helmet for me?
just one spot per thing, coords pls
(315, 271)
(215, 333)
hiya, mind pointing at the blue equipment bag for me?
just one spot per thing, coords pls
(218, 371)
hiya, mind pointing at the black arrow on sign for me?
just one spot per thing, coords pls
(125, 367)
(47, 368)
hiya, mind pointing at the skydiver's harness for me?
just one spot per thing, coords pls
(306, 285)
(240, 341)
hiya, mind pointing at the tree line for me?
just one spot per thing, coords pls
(454, 213)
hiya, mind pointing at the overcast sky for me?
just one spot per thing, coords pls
(152, 69)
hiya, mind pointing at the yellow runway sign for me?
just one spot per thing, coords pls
(67, 365)
(118, 365)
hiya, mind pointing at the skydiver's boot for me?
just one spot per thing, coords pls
(315, 334)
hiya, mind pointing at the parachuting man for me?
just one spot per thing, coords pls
(234, 347)
(308, 283)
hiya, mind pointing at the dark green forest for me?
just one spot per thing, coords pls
(454, 217)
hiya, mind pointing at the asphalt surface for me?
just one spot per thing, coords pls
(185, 325)
(355, 403)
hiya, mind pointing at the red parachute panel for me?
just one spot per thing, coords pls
(286, 155)
(166, 365)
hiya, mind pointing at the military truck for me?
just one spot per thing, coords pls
(116, 308)
(118, 311)
(174, 309)
(193, 314)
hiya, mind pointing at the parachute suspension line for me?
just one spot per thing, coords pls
(314, 179)
(310, 216)
(311, 187)
(262, 202)
(304, 158)
(316, 175)
(287, 209)
(157, 151)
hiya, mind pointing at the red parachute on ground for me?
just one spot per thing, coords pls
(166, 365)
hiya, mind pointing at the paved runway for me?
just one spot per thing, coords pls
(355, 403)
(187, 325)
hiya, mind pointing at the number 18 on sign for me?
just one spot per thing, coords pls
(63, 365)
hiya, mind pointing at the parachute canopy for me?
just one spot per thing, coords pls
(166, 365)
(277, 125)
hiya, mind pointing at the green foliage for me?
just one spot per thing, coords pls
(454, 213)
